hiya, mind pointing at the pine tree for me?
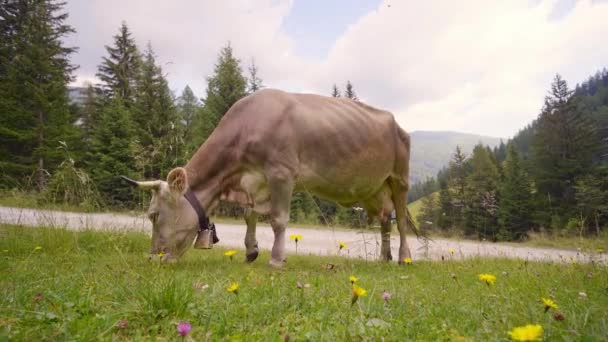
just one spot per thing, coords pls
(515, 190)
(159, 128)
(254, 82)
(224, 88)
(335, 92)
(119, 71)
(445, 219)
(457, 184)
(429, 212)
(188, 106)
(562, 150)
(34, 73)
(592, 198)
(481, 195)
(111, 153)
(350, 92)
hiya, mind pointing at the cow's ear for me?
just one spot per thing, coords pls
(178, 181)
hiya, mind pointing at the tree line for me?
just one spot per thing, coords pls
(552, 176)
(129, 124)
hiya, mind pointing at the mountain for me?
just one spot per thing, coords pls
(431, 151)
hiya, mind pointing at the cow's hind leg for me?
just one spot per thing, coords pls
(399, 190)
(251, 243)
(385, 233)
(281, 190)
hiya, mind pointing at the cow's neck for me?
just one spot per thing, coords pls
(212, 163)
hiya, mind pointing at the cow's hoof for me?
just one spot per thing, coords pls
(276, 263)
(252, 256)
(387, 258)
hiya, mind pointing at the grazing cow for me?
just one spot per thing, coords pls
(272, 143)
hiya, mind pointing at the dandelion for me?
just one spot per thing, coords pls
(408, 261)
(490, 279)
(183, 328)
(386, 296)
(353, 279)
(549, 304)
(358, 291)
(452, 251)
(296, 238)
(233, 288)
(230, 254)
(341, 245)
(38, 248)
(161, 254)
(530, 332)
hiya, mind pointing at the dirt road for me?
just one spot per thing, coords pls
(361, 244)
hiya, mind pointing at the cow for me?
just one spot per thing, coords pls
(272, 143)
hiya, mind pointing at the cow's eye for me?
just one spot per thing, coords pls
(153, 216)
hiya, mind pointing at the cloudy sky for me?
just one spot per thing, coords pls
(474, 66)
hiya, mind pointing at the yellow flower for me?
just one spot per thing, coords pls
(161, 254)
(295, 237)
(230, 253)
(600, 250)
(353, 279)
(38, 248)
(452, 251)
(530, 332)
(549, 304)
(488, 278)
(358, 291)
(408, 261)
(233, 288)
(342, 245)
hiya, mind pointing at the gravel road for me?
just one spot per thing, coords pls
(315, 241)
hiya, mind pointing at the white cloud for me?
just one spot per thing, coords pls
(475, 66)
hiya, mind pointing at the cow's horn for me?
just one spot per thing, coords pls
(129, 180)
(147, 185)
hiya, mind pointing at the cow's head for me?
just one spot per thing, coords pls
(174, 221)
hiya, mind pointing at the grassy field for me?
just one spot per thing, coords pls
(61, 285)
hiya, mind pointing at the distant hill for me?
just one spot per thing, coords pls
(431, 151)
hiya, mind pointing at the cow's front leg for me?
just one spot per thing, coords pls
(251, 243)
(281, 189)
(385, 233)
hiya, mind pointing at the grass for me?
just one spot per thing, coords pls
(84, 285)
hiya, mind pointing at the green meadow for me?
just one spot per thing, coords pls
(83, 286)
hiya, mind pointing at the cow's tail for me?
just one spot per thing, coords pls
(411, 223)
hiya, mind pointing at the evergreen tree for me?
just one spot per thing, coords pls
(592, 198)
(481, 198)
(188, 106)
(445, 219)
(350, 92)
(111, 153)
(563, 149)
(335, 92)
(159, 128)
(119, 71)
(515, 212)
(458, 183)
(429, 212)
(224, 88)
(254, 82)
(34, 73)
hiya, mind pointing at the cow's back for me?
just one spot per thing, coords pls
(331, 144)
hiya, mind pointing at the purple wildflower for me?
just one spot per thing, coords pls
(386, 296)
(183, 328)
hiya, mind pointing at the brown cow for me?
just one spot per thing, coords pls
(272, 143)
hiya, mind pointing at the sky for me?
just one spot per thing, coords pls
(474, 66)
